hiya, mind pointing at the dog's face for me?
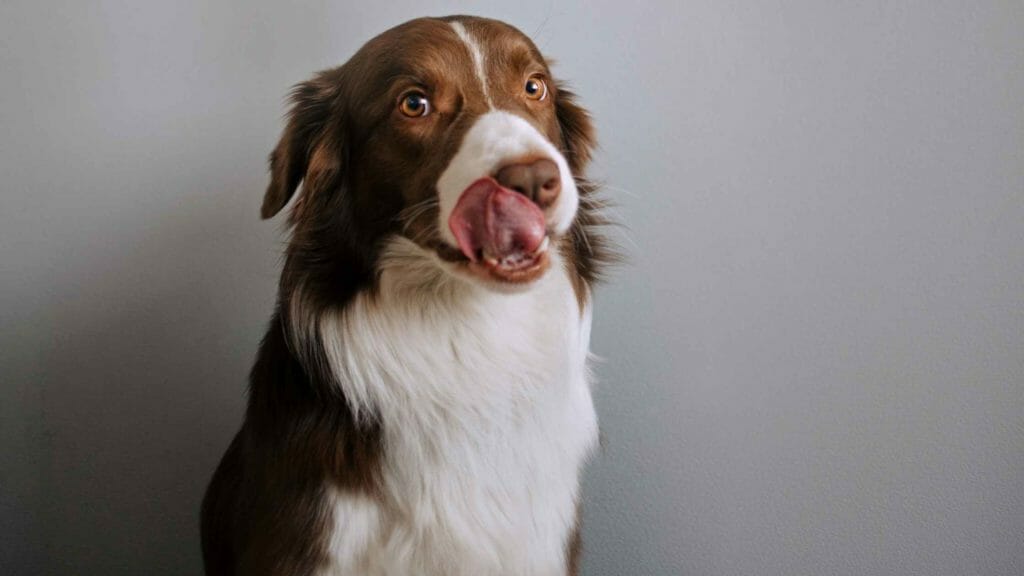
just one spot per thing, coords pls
(451, 132)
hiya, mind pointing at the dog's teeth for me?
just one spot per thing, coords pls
(517, 259)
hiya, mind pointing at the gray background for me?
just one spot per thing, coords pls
(814, 362)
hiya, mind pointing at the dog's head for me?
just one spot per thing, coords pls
(451, 132)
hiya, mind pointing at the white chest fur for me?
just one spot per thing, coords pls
(487, 417)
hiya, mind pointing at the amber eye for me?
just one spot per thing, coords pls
(414, 104)
(535, 88)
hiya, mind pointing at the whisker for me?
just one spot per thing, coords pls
(410, 214)
(619, 189)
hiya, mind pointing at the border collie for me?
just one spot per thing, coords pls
(420, 402)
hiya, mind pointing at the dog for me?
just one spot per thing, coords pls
(420, 403)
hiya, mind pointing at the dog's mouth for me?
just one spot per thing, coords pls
(501, 233)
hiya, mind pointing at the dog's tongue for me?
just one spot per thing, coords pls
(495, 219)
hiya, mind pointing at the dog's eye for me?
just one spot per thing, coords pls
(535, 88)
(414, 104)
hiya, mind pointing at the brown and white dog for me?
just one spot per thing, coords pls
(420, 402)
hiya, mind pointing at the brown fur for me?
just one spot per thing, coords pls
(574, 547)
(366, 173)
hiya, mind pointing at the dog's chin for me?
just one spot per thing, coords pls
(510, 274)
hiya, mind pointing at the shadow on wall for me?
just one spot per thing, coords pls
(139, 376)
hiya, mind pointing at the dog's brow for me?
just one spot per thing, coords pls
(478, 58)
(406, 78)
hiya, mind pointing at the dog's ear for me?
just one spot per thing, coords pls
(577, 130)
(306, 149)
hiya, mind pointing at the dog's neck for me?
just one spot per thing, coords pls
(423, 341)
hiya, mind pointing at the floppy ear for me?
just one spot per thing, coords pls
(577, 130)
(290, 161)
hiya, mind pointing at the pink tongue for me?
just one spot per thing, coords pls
(501, 221)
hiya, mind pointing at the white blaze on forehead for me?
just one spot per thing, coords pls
(478, 57)
(498, 138)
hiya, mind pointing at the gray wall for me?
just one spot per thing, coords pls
(814, 363)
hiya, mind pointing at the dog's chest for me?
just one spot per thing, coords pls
(487, 416)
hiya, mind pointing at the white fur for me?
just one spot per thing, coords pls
(356, 527)
(497, 138)
(487, 419)
(478, 58)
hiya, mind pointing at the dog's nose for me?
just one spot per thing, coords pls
(539, 180)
